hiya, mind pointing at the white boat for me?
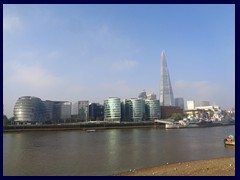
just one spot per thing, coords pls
(91, 130)
(172, 126)
(180, 124)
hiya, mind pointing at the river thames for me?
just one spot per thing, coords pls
(106, 152)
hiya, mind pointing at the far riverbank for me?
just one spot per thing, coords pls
(211, 167)
(82, 126)
(88, 126)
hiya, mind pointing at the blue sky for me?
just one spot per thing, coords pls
(92, 52)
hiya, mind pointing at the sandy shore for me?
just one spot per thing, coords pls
(212, 167)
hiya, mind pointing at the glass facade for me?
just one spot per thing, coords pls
(166, 92)
(96, 112)
(112, 109)
(61, 111)
(134, 110)
(81, 110)
(29, 109)
(152, 108)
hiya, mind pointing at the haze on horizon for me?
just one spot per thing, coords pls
(92, 52)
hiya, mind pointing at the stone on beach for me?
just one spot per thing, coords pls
(211, 167)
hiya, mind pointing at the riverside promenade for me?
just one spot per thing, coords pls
(211, 167)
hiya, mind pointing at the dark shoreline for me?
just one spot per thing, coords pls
(86, 127)
(82, 127)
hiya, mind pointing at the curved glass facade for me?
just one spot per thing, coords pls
(112, 109)
(134, 109)
(29, 109)
(152, 109)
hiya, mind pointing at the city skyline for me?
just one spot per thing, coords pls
(92, 52)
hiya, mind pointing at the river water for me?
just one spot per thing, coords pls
(106, 152)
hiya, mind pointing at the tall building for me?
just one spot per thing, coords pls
(166, 93)
(81, 110)
(112, 109)
(179, 102)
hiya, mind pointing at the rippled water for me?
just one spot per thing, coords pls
(106, 152)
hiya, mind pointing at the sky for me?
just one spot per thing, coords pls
(92, 52)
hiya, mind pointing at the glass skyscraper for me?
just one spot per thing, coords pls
(166, 93)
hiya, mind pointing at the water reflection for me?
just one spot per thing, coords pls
(109, 151)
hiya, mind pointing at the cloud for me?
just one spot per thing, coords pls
(200, 90)
(119, 88)
(11, 23)
(124, 65)
(31, 76)
(31, 80)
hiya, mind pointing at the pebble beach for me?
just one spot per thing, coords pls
(211, 167)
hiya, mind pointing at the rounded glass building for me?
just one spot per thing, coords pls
(112, 109)
(134, 109)
(152, 109)
(29, 109)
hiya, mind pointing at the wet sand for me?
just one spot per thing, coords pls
(211, 167)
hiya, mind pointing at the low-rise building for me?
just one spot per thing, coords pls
(112, 109)
(152, 110)
(168, 111)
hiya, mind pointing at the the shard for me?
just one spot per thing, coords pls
(166, 93)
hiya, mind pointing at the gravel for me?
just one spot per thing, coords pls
(211, 167)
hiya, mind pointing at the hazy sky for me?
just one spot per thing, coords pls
(92, 52)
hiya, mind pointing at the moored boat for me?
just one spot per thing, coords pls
(172, 126)
(230, 140)
(91, 130)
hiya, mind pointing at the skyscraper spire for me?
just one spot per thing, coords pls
(166, 94)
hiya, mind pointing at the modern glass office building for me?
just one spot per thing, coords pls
(58, 111)
(134, 110)
(29, 109)
(166, 92)
(81, 110)
(96, 112)
(112, 109)
(62, 111)
(152, 108)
